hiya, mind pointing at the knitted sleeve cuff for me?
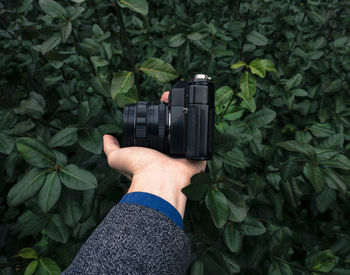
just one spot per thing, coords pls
(155, 202)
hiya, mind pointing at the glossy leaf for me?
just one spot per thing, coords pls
(139, 6)
(31, 268)
(48, 267)
(121, 83)
(28, 253)
(217, 204)
(7, 144)
(64, 137)
(35, 152)
(50, 192)
(90, 140)
(158, 69)
(223, 95)
(76, 178)
(57, 230)
(315, 175)
(26, 187)
(252, 227)
(248, 85)
(53, 9)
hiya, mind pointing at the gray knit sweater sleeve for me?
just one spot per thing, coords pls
(133, 239)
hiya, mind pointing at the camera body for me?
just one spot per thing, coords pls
(182, 128)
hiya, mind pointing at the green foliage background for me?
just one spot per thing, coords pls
(274, 199)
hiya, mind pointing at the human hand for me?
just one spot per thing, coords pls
(151, 171)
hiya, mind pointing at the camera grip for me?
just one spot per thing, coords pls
(200, 130)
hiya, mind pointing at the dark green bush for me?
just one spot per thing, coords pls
(274, 199)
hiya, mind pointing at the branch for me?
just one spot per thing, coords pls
(244, 33)
(126, 39)
(295, 38)
(211, 53)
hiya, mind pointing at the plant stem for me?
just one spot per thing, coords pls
(244, 33)
(295, 38)
(211, 53)
(126, 39)
(228, 105)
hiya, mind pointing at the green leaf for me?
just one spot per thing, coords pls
(252, 227)
(196, 36)
(257, 68)
(260, 118)
(233, 116)
(21, 128)
(294, 81)
(84, 113)
(7, 144)
(99, 61)
(76, 178)
(315, 175)
(334, 180)
(35, 152)
(66, 30)
(121, 83)
(158, 69)
(139, 6)
(53, 9)
(325, 199)
(217, 204)
(26, 187)
(31, 267)
(25, 6)
(302, 148)
(71, 206)
(235, 158)
(322, 130)
(257, 39)
(50, 192)
(127, 98)
(268, 65)
(248, 85)
(90, 140)
(177, 40)
(223, 95)
(238, 65)
(28, 253)
(30, 223)
(57, 230)
(324, 261)
(237, 206)
(279, 268)
(198, 188)
(248, 104)
(339, 161)
(48, 267)
(50, 43)
(64, 137)
(232, 238)
(197, 268)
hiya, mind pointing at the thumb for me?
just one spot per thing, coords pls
(110, 144)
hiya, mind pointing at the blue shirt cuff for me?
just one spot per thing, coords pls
(155, 202)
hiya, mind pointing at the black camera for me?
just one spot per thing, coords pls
(182, 128)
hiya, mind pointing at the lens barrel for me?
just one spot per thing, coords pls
(146, 125)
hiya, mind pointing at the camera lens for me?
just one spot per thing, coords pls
(146, 125)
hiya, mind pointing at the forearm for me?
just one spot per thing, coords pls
(133, 239)
(163, 186)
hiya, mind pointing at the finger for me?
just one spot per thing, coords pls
(110, 144)
(164, 97)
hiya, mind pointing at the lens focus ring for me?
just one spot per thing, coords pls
(141, 124)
